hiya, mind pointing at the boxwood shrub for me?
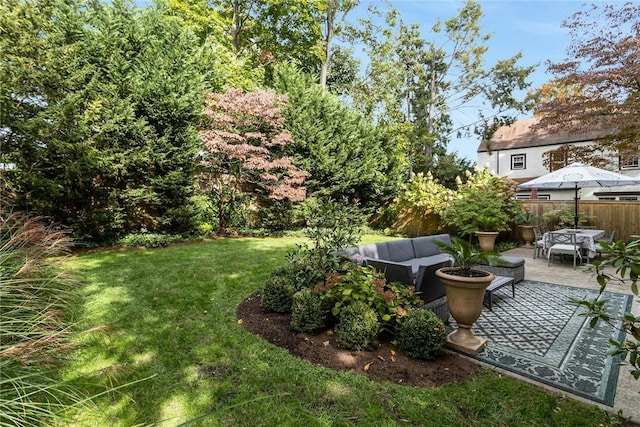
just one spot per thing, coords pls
(309, 312)
(277, 294)
(358, 326)
(421, 334)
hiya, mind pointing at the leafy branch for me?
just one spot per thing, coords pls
(625, 258)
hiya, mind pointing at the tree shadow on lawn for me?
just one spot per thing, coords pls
(168, 315)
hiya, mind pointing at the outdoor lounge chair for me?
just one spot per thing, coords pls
(564, 244)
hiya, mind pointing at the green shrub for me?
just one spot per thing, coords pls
(309, 312)
(357, 283)
(558, 218)
(357, 327)
(332, 226)
(299, 274)
(149, 240)
(485, 202)
(421, 334)
(277, 294)
(276, 215)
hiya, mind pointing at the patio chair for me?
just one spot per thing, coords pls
(564, 244)
(538, 245)
(609, 239)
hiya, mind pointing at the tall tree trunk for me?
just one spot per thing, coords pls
(329, 27)
(237, 26)
(428, 148)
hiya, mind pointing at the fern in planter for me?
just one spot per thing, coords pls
(465, 256)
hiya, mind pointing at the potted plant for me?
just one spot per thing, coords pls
(465, 287)
(488, 227)
(526, 221)
(483, 206)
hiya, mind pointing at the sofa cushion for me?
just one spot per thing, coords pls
(439, 259)
(400, 250)
(374, 250)
(424, 246)
(435, 259)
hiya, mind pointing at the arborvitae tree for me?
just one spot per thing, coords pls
(100, 103)
(345, 156)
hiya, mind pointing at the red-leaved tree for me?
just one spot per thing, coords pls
(597, 88)
(244, 150)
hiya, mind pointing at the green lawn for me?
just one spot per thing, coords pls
(168, 316)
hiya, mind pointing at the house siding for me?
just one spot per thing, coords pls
(518, 139)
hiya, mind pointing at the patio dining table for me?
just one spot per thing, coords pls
(586, 237)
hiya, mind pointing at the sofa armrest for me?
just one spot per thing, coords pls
(428, 284)
(393, 271)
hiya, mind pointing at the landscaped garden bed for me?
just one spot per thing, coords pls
(384, 362)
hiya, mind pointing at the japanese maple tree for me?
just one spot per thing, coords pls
(244, 150)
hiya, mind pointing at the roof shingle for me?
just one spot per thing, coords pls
(520, 135)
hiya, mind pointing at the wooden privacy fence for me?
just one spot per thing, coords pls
(624, 216)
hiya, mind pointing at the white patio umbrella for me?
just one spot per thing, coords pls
(578, 175)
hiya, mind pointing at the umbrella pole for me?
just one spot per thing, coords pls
(575, 217)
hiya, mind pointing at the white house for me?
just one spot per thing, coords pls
(517, 152)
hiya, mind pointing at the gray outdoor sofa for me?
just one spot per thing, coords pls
(414, 261)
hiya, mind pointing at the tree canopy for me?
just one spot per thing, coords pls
(103, 106)
(418, 86)
(244, 149)
(596, 87)
(100, 107)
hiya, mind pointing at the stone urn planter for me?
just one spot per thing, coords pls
(487, 239)
(527, 235)
(464, 298)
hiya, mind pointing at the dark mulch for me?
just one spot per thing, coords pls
(386, 362)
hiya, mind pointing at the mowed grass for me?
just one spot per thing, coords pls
(164, 322)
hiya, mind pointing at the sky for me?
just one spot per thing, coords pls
(532, 27)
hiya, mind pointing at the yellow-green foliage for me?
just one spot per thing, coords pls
(425, 195)
(419, 205)
(485, 202)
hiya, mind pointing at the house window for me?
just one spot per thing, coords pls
(629, 162)
(629, 198)
(518, 161)
(606, 198)
(528, 197)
